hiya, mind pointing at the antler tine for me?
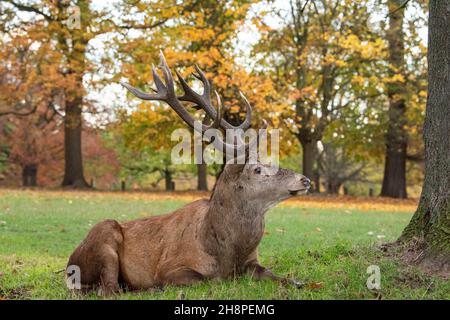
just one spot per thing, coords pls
(265, 124)
(160, 86)
(218, 142)
(206, 93)
(248, 117)
(165, 92)
(202, 77)
(170, 86)
(192, 96)
(160, 92)
(204, 100)
(218, 119)
(138, 93)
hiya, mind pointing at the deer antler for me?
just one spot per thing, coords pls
(204, 101)
(165, 91)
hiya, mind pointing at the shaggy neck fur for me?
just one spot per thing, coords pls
(233, 226)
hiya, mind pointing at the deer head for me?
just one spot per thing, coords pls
(251, 184)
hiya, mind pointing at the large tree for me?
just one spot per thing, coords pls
(28, 103)
(394, 180)
(428, 233)
(317, 57)
(70, 41)
(70, 27)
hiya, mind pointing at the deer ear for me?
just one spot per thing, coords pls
(234, 169)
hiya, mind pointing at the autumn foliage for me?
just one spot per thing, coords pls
(320, 71)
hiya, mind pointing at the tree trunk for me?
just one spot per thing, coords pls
(394, 180)
(73, 162)
(29, 175)
(316, 178)
(429, 228)
(170, 186)
(308, 149)
(333, 187)
(202, 172)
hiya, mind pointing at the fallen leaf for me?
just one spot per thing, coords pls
(314, 285)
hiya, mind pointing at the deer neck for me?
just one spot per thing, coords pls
(234, 211)
(233, 228)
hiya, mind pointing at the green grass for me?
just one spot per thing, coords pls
(328, 249)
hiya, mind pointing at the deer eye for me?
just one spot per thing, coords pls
(258, 170)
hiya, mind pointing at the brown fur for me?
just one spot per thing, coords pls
(206, 239)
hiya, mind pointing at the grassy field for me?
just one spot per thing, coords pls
(327, 247)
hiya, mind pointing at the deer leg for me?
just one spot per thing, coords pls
(182, 276)
(109, 276)
(97, 258)
(259, 272)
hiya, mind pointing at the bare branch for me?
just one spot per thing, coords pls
(17, 113)
(402, 6)
(29, 8)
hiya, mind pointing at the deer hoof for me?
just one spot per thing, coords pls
(107, 291)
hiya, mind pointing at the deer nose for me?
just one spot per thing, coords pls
(306, 182)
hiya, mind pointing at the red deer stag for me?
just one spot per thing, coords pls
(214, 238)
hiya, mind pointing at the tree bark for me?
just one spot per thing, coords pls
(74, 52)
(170, 186)
(29, 175)
(333, 187)
(73, 162)
(430, 225)
(316, 178)
(308, 149)
(394, 180)
(202, 172)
